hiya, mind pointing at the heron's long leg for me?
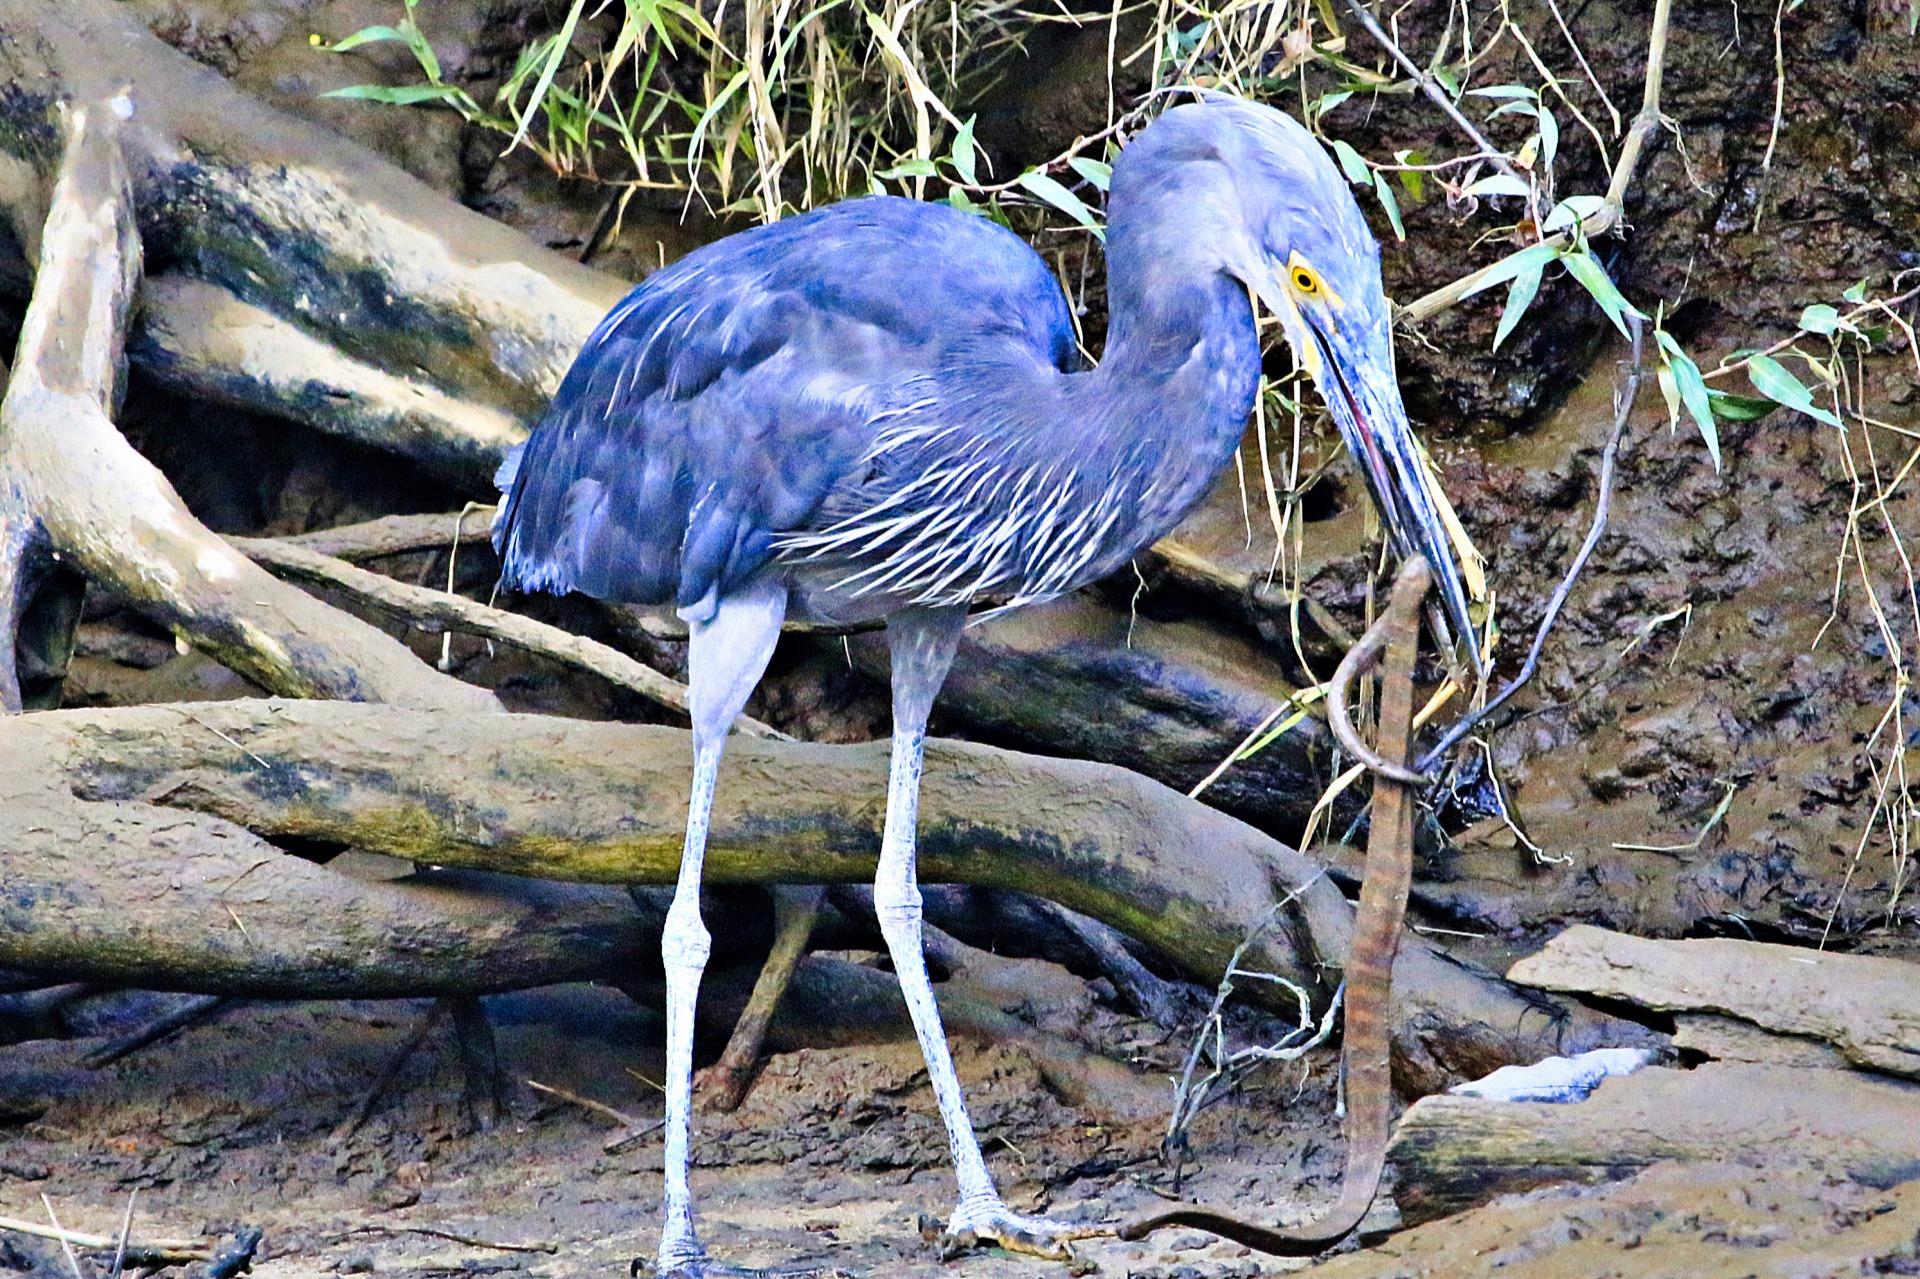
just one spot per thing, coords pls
(922, 641)
(726, 655)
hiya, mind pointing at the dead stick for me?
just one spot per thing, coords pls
(410, 1045)
(199, 1009)
(435, 611)
(140, 1252)
(634, 1127)
(796, 907)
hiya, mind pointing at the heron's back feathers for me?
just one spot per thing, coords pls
(745, 397)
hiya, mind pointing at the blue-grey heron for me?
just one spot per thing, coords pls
(877, 410)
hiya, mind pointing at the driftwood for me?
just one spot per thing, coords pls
(366, 302)
(1453, 1153)
(72, 490)
(1865, 1007)
(106, 810)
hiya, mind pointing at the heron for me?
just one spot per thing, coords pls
(877, 412)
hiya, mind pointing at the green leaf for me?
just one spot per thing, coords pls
(1574, 209)
(1772, 379)
(1523, 106)
(1328, 101)
(548, 70)
(404, 95)
(1450, 79)
(915, 168)
(1503, 91)
(1039, 184)
(367, 35)
(1593, 277)
(964, 154)
(1549, 136)
(1510, 267)
(1820, 318)
(1729, 407)
(1519, 297)
(1670, 391)
(958, 198)
(1092, 170)
(1414, 183)
(1858, 293)
(1352, 165)
(1387, 202)
(1693, 391)
(1498, 184)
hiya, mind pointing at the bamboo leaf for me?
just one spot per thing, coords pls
(367, 35)
(1352, 165)
(1593, 277)
(1039, 184)
(964, 154)
(1534, 255)
(1498, 184)
(405, 95)
(1520, 295)
(1772, 379)
(1387, 202)
(1092, 170)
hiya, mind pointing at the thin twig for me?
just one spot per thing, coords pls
(633, 1127)
(139, 1252)
(1611, 213)
(1433, 91)
(431, 610)
(410, 1045)
(1622, 409)
(66, 1243)
(452, 1236)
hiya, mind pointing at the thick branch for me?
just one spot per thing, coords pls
(605, 803)
(108, 512)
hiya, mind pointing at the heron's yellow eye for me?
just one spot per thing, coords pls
(1305, 280)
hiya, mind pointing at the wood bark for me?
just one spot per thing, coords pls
(73, 490)
(163, 789)
(1453, 1153)
(1865, 1006)
(427, 326)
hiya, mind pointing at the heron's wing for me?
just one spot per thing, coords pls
(716, 407)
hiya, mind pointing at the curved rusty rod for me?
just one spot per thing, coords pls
(1376, 939)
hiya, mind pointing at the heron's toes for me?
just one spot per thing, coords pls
(708, 1268)
(1000, 1227)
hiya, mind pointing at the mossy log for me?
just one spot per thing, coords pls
(193, 794)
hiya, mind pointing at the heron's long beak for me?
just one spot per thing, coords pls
(1355, 378)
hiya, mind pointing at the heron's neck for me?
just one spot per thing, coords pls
(1181, 369)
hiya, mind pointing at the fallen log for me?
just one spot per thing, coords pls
(426, 324)
(74, 492)
(162, 790)
(1866, 1007)
(1454, 1153)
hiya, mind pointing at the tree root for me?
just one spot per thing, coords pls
(73, 491)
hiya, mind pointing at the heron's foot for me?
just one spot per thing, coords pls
(705, 1267)
(994, 1225)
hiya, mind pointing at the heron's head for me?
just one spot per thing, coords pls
(1258, 199)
